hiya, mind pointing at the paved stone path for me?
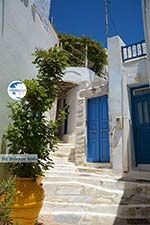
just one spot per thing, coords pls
(90, 196)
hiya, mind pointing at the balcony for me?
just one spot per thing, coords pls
(133, 51)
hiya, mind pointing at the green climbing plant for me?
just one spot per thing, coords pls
(30, 132)
(78, 47)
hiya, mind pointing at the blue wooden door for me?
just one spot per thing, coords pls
(141, 124)
(97, 130)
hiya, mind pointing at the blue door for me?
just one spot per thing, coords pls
(141, 123)
(97, 130)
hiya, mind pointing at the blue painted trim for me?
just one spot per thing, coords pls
(124, 59)
(139, 130)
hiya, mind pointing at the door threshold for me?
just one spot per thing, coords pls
(138, 174)
(98, 165)
(143, 167)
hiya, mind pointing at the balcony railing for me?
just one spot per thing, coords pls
(133, 51)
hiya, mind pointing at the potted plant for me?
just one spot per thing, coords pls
(31, 133)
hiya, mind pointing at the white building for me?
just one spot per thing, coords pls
(81, 87)
(129, 103)
(75, 79)
(110, 121)
(23, 27)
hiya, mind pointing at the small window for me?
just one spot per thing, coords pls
(140, 113)
(141, 91)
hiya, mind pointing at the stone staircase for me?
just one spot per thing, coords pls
(91, 196)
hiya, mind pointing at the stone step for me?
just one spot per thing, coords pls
(64, 143)
(102, 181)
(66, 165)
(63, 150)
(59, 172)
(106, 182)
(80, 193)
(89, 218)
(121, 211)
(61, 161)
(64, 146)
(60, 153)
(65, 154)
(101, 171)
(76, 218)
(85, 195)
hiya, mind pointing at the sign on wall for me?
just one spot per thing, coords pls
(16, 90)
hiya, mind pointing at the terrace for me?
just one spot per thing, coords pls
(133, 51)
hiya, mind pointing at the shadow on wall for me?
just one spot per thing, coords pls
(26, 2)
(142, 76)
(33, 7)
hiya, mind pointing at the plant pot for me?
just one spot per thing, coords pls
(39, 180)
(28, 201)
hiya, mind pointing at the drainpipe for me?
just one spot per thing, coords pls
(86, 56)
(146, 20)
(125, 123)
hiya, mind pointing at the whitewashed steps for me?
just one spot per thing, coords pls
(122, 211)
(78, 218)
(106, 182)
(89, 218)
(80, 193)
(92, 196)
(63, 150)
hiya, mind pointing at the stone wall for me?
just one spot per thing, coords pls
(80, 128)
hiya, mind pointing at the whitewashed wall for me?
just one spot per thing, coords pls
(43, 6)
(75, 75)
(115, 99)
(21, 31)
(43, 9)
(122, 76)
(71, 100)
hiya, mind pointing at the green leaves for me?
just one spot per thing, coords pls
(7, 191)
(30, 132)
(76, 49)
(51, 65)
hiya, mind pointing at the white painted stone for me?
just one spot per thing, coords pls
(122, 76)
(93, 197)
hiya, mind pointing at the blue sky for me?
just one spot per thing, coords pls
(87, 18)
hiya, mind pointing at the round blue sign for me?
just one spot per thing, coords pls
(16, 90)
